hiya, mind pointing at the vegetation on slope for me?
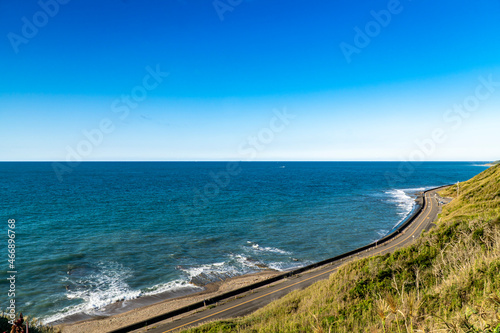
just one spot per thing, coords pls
(447, 281)
(478, 197)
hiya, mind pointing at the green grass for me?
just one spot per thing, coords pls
(478, 197)
(447, 281)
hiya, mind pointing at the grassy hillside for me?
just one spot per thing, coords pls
(478, 197)
(447, 281)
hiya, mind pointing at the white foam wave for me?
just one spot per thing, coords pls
(97, 286)
(175, 285)
(404, 200)
(103, 285)
(246, 262)
(236, 264)
(382, 233)
(286, 266)
(220, 268)
(257, 247)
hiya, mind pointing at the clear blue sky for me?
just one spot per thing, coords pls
(65, 71)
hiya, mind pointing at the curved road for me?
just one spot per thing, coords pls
(251, 301)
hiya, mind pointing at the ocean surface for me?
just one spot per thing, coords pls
(107, 232)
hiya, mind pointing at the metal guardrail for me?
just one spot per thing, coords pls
(216, 299)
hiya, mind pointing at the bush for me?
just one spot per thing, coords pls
(34, 326)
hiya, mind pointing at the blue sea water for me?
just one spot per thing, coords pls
(114, 231)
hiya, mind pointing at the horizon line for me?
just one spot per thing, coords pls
(240, 161)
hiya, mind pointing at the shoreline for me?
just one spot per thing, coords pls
(129, 312)
(123, 313)
(185, 316)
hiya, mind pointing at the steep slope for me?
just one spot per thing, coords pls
(478, 197)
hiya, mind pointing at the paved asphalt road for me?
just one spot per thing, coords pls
(251, 301)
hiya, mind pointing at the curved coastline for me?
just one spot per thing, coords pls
(199, 300)
(213, 288)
